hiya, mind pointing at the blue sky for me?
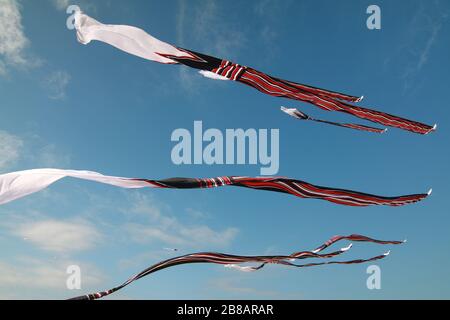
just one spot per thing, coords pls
(93, 107)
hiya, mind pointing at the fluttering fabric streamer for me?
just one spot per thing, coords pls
(234, 261)
(18, 184)
(293, 112)
(137, 42)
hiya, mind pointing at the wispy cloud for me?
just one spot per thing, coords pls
(180, 235)
(26, 278)
(197, 214)
(2, 68)
(235, 287)
(218, 35)
(56, 84)
(29, 150)
(13, 41)
(166, 229)
(209, 33)
(50, 156)
(14, 47)
(10, 147)
(424, 53)
(423, 33)
(181, 16)
(64, 237)
(143, 259)
(61, 4)
(248, 286)
(85, 5)
(268, 11)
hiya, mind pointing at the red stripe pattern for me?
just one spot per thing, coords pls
(294, 187)
(325, 99)
(228, 259)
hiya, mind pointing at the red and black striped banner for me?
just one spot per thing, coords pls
(235, 261)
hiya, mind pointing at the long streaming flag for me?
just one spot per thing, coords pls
(18, 184)
(235, 262)
(139, 43)
(293, 112)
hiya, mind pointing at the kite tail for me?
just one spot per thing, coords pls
(137, 42)
(298, 255)
(294, 187)
(356, 238)
(304, 189)
(235, 261)
(386, 119)
(352, 126)
(302, 116)
(281, 88)
(325, 99)
(357, 261)
(15, 185)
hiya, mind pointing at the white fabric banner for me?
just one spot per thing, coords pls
(19, 184)
(130, 39)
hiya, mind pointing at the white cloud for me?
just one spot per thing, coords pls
(208, 32)
(56, 84)
(40, 153)
(25, 278)
(31, 150)
(180, 235)
(169, 230)
(235, 287)
(423, 58)
(267, 13)
(2, 68)
(197, 214)
(417, 44)
(10, 146)
(13, 41)
(224, 37)
(85, 5)
(61, 4)
(141, 259)
(180, 21)
(60, 236)
(50, 156)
